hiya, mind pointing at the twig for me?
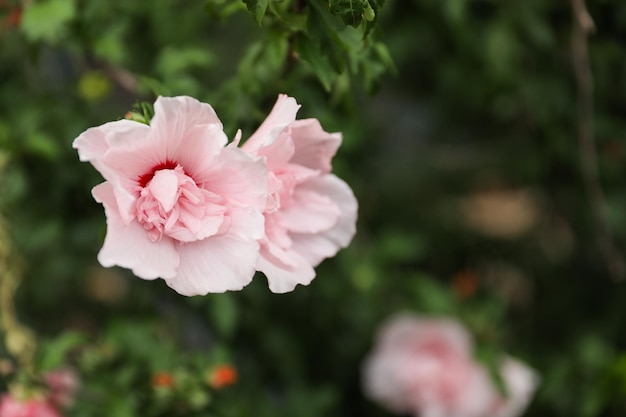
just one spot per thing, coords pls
(582, 26)
(292, 56)
(18, 340)
(122, 77)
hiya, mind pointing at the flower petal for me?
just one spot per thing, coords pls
(314, 147)
(217, 264)
(521, 382)
(308, 212)
(164, 187)
(119, 138)
(283, 278)
(317, 247)
(283, 113)
(128, 245)
(221, 263)
(284, 269)
(404, 329)
(238, 177)
(278, 153)
(199, 149)
(175, 117)
(93, 143)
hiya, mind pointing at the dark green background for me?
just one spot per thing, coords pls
(483, 106)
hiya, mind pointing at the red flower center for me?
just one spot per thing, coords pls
(144, 179)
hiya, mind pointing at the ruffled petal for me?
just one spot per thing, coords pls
(238, 177)
(93, 143)
(107, 145)
(128, 245)
(278, 153)
(164, 187)
(246, 223)
(284, 273)
(283, 113)
(308, 212)
(319, 246)
(217, 264)
(199, 150)
(175, 117)
(121, 151)
(221, 263)
(314, 147)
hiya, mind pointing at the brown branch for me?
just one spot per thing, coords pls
(123, 78)
(582, 26)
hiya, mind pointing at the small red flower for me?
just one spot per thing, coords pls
(162, 379)
(15, 17)
(12, 19)
(465, 283)
(222, 376)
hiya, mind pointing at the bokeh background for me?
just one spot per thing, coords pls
(461, 130)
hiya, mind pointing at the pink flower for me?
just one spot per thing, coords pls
(521, 382)
(62, 385)
(425, 367)
(310, 213)
(180, 205)
(34, 407)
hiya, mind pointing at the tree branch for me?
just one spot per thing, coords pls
(582, 26)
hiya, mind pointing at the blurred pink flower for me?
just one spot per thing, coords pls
(424, 367)
(521, 383)
(33, 407)
(310, 213)
(62, 385)
(180, 205)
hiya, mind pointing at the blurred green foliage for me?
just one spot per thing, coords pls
(465, 164)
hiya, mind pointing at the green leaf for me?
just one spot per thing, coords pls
(350, 11)
(47, 20)
(53, 353)
(221, 9)
(385, 57)
(371, 15)
(430, 296)
(257, 9)
(174, 60)
(324, 30)
(224, 311)
(308, 51)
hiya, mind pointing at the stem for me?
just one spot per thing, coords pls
(582, 26)
(19, 340)
(299, 8)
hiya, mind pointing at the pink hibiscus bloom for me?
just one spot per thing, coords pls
(310, 213)
(424, 367)
(33, 407)
(180, 205)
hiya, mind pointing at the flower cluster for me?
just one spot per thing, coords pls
(60, 389)
(33, 407)
(424, 367)
(184, 205)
